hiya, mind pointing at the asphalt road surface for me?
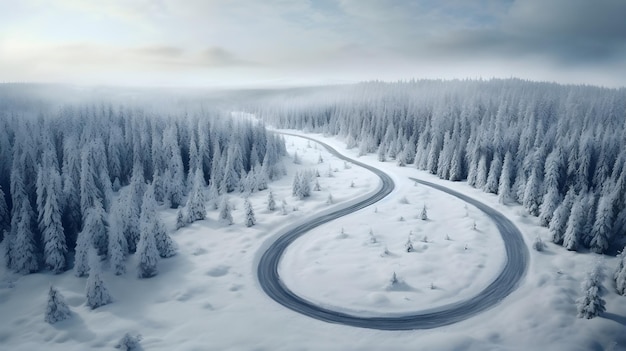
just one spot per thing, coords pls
(505, 283)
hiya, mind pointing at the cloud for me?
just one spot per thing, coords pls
(359, 39)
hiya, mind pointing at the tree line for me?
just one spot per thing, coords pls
(90, 176)
(555, 149)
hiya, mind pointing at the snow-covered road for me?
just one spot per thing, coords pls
(505, 283)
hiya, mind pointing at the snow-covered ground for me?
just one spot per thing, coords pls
(207, 297)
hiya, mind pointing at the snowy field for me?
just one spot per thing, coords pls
(207, 297)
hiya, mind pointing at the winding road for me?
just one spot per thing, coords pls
(505, 283)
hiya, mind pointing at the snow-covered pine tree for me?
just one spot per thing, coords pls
(296, 158)
(95, 222)
(196, 210)
(409, 244)
(424, 213)
(271, 203)
(181, 221)
(295, 185)
(174, 178)
(56, 308)
(5, 217)
(591, 304)
(558, 224)
(532, 194)
(603, 225)
(249, 212)
(23, 250)
(575, 225)
(504, 188)
(150, 221)
(50, 225)
(118, 246)
(225, 215)
(148, 255)
(538, 244)
(495, 170)
(129, 343)
(96, 291)
(620, 273)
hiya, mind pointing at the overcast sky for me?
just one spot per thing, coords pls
(271, 42)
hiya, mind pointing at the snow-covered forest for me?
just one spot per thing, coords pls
(81, 176)
(555, 149)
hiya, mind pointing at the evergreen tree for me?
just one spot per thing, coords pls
(504, 188)
(603, 224)
(118, 246)
(148, 255)
(5, 218)
(424, 214)
(174, 177)
(96, 291)
(558, 224)
(532, 194)
(493, 179)
(181, 221)
(196, 210)
(620, 273)
(591, 304)
(250, 218)
(50, 224)
(23, 249)
(56, 308)
(150, 222)
(409, 245)
(225, 216)
(575, 225)
(271, 203)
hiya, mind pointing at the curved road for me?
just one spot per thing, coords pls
(505, 283)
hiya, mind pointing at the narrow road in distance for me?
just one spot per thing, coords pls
(506, 282)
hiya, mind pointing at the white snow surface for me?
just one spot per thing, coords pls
(207, 297)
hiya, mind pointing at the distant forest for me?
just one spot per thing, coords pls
(557, 150)
(86, 173)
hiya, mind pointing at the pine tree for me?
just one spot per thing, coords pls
(620, 273)
(96, 291)
(558, 224)
(23, 250)
(532, 194)
(5, 218)
(538, 244)
(575, 225)
(95, 224)
(250, 218)
(118, 246)
(181, 221)
(196, 210)
(603, 225)
(129, 343)
(424, 214)
(56, 308)
(495, 170)
(295, 185)
(317, 187)
(50, 224)
(409, 244)
(148, 255)
(271, 203)
(150, 222)
(504, 188)
(225, 216)
(591, 304)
